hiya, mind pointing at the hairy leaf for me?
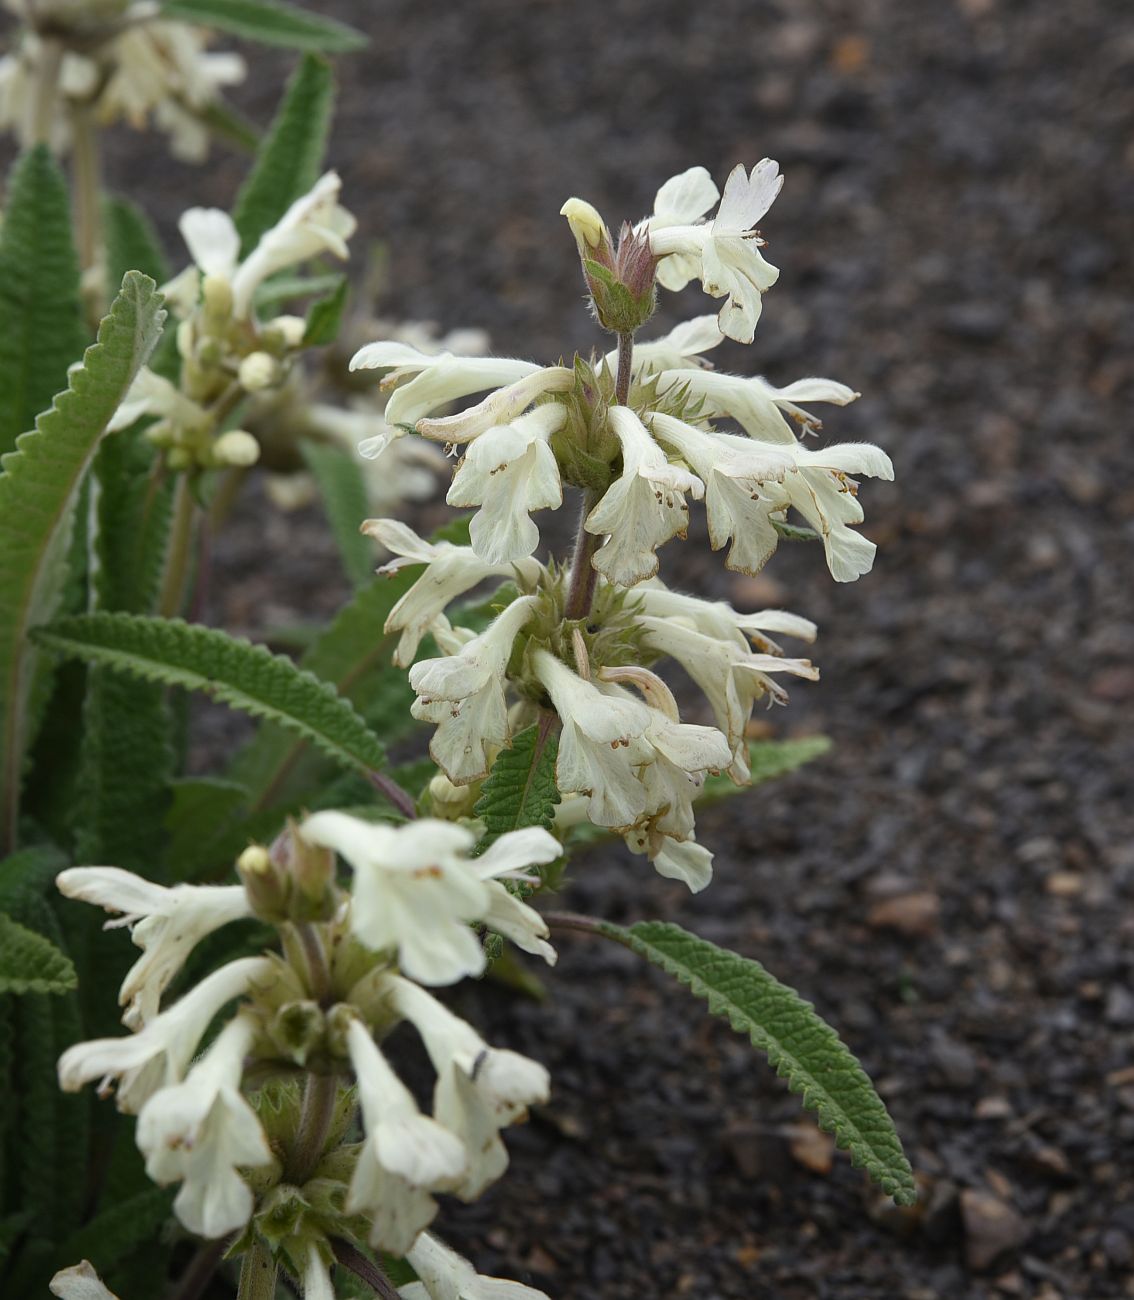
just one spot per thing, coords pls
(41, 319)
(288, 161)
(236, 672)
(112, 1235)
(767, 760)
(272, 22)
(325, 316)
(520, 790)
(29, 963)
(343, 490)
(132, 243)
(804, 1049)
(353, 655)
(38, 489)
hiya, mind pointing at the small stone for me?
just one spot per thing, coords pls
(993, 1108)
(911, 914)
(992, 1228)
(1119, 1005)
(812, 1148)
(1064, 884)
(1118, 1248)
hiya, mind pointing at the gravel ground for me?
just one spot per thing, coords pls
(952, 884)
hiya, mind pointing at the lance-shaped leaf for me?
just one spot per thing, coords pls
(767, 760)
(520, 790)
(235, 672)
(29, 963)
(271, 22)
(41, 320)
(804, 1049)
(38, 487)
(343, 491)
(291, 156)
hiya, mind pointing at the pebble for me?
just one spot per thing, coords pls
(993, 1229)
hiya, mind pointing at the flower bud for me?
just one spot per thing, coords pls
(265, 882)
(216, 293)
(258, 370)
(450, 801)
(621, 283)
(285, 332)
(237, 449)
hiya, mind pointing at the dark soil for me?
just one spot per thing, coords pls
(952, 885)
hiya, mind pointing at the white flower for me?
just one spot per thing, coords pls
(317, 1284)
(166, 923)
(509, 471)
(600, 745)
(508, 914)
(201, 1131)
(739, 501)
(675, 859)
(414, 891)
(682, 346)
(732, 677)
(464, 695)
(450, 572)
(479, 1090)
(723, 253)
(158, 1055)
(755, 404)
(80, 1282)
(643, 508)
(405, 1156)
(440, 378)
(718, 619)
(315, 223)
(153, 394)
(500, 407)
(445, 1275)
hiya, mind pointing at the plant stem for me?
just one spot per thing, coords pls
(625, 357)
(575, 921)
(391, 790)
(46, 90)
(86, 169)
(364, 1268)
(314, 1125)
(180, 547)
(257, 1275)
(201, 1269)
(583, 573)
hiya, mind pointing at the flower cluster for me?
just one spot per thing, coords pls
(226, 1123)
(118, 61)
(643, 431)
(226, 351)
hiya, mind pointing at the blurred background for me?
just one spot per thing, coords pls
(951, 885)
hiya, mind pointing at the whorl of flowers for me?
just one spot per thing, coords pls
(119, 61)
(217, 1102)
(647, 432)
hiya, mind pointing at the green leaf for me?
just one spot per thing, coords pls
(41, 318)
(38, 488)
(343, 490)
(354, 656)
(804, 1049)
(520, 790)
(287, 287)
(271, 22)
(235, 672)
(132, 244)
(767, 760)
(114, 1233)
(289, 160)
(29, 963)
(325, 316)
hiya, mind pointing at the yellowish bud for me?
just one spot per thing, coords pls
(236, 448)
(258, 370)
(586, 225)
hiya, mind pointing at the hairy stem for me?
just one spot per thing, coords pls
(314, 1125)
(201, 1269)
(625, 358)
(583, 573)
(391, 790)
(180, 548)
(257, 1275)
(46, 91)
(87, 170)
(365, 1269)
